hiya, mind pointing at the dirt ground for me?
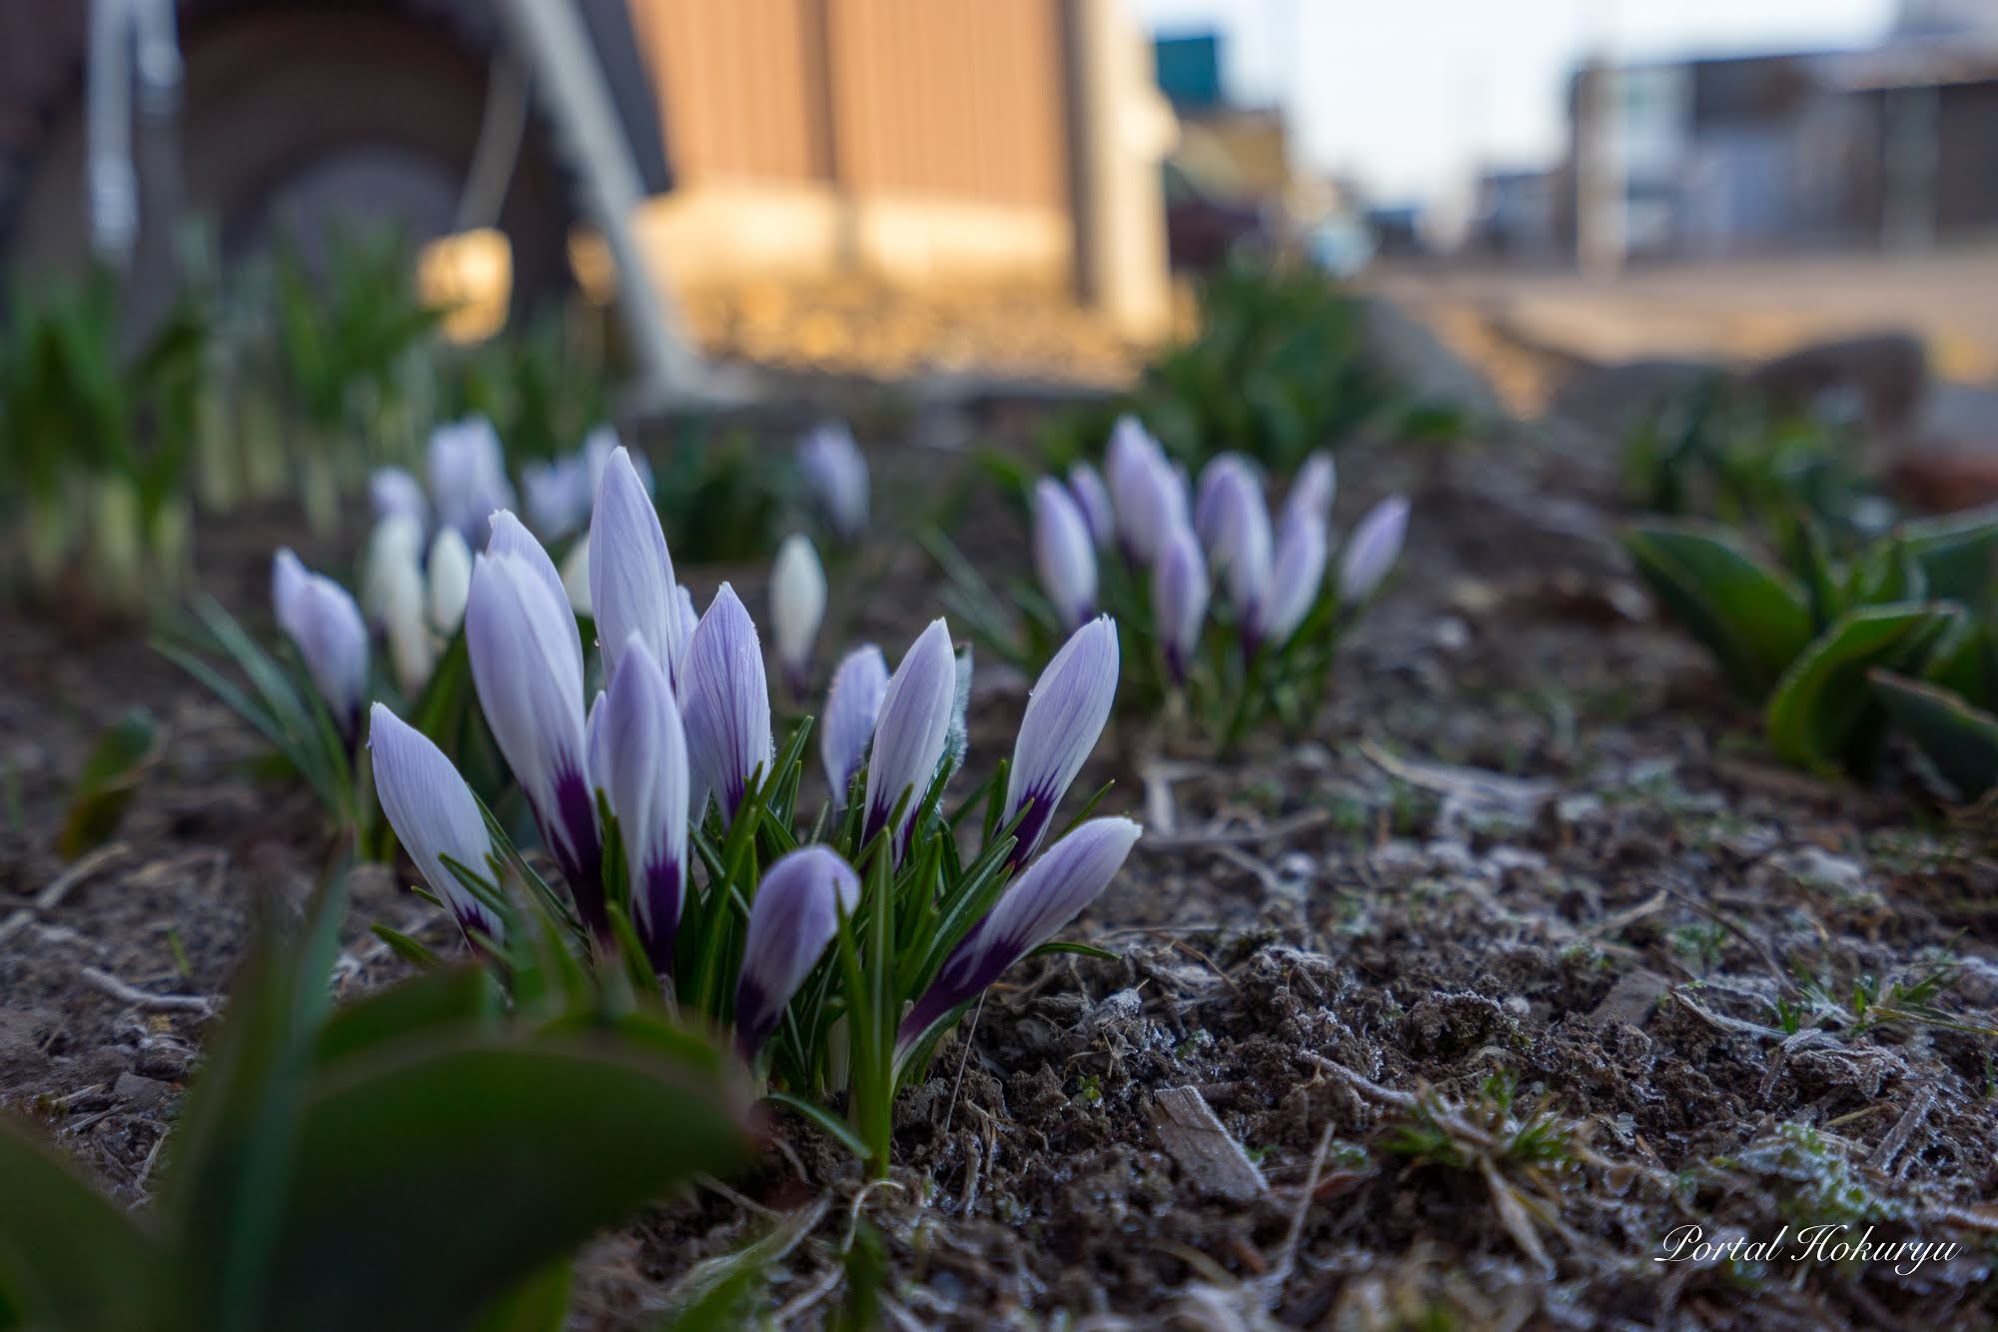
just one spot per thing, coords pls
(1456, 1012)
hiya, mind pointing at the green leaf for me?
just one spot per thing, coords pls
(540, 1305)
(225, 1179)
(1751, 617)
(409, 949)
(109, 780)
(460, 998)
(1957, 554)
(1961, 741)
(71, 1260)
(1822, 714)
(443, 1168)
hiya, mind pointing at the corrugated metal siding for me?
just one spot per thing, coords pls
(962, 98)
(732, 86)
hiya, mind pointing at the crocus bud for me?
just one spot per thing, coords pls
(632, 586)
(325, 625)
(511, 537)
(797, 606)
(1092, 500)
(909, 738)
(1222, 472)
(1179, 600)
(450, 580)
(1313, 488)
(853, 705)
(794, 917)
(726, 706)
(1149, 495)
(1033, 908)
(1063, 553)
(394, 553)
(644, 757)
(467, 475)
(412, 646)
(1065, 715)
(392, 490)
(836, 477)
(434, 815)
(1372, 550)
(527, 667)
(1301, 552)
(1240, 550)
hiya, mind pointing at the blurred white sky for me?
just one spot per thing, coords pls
(1412, 95)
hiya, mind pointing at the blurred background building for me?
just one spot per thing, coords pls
(911, 145)
(1892, 147)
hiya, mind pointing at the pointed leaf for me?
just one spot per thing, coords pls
(1960, 740)
(70, 1258)
(444, 1168)
(1822, 714)
(1751, 617)
(459, 998)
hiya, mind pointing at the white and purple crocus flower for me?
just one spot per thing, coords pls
(325, 625)
(836, 479)
(527, 666)
(684, 720)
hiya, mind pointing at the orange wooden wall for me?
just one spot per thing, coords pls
(958, 98)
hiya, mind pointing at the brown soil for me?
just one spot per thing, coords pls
(1526, 958)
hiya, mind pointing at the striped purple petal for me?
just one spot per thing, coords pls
(1032, 910)
(645, 775)
(909, 738)
(527, 668)
(434, 815)
(726, 705)
(1065, 715)
(794, 917)
(632, 586)
(853, 706)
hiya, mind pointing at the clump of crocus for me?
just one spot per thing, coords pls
(1226, 609)
(838, 948)
(835, 475)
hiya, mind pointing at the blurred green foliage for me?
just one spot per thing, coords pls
(416, 1160)
(94, 440)
(1815, 639)
(1717, 451)
(544, 386)
(1277, 369)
